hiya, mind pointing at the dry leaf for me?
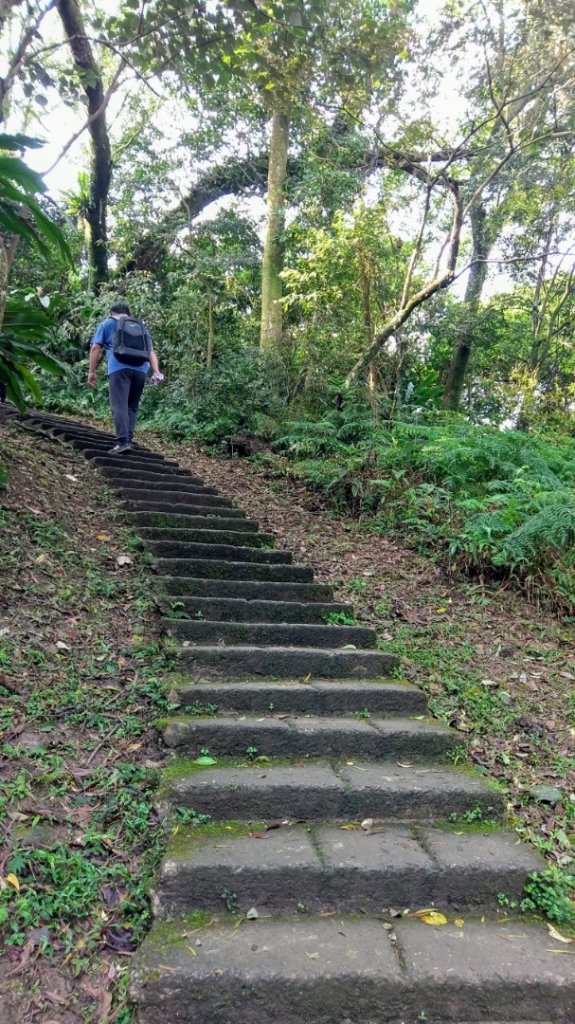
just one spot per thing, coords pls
(557, 935)
(431, 917)
(459, 922)
(123, 560)
(13, 881)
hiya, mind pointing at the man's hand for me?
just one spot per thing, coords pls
(157, 377)
(92, 378)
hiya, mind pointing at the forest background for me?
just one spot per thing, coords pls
(350, 229)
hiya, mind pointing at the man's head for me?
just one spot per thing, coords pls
(120, 309)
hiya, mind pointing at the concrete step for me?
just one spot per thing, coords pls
(208, 568)
(234, 537)
(199, 521)
(219, 552)
(98, 451)
(165, 483)
(246, 589)
(176, 497)
(272, 634)
(133, 460)
(160, 475)
(215, 662)
(313, 970)
(343, 696)
(322, 792)
(229, 609)
(376, 739)
(324, 869)
(189, 505)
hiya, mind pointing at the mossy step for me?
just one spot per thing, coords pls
(342, 696)
(207, 568)
(322, 792)
(173, 496)
(246, 589)
(304, 969)
(235, 538)
(376, 739)
(220, 662)
(220, 552)
(326, 869)
(199, 521)
(230, 609)
(164, 483)
(273, 634)
(189, 507)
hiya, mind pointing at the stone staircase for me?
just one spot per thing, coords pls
(333, 806)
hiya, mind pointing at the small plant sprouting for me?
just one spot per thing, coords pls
(251, 753)
(231, 901)
(188, 816)
(340, 619)
(364, 713)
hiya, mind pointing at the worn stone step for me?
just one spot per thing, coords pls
(306, 736)
(200, 522)
(208, 568)
(176, 497)
(219, 552)
(132, 460)
(248, 589)
(313, 970)
(316, 697)
(324, 869)
(145, 457)
(90, 443)
(213, 662)
(272, 634)
(166, 483)
(233, 537)
(160, 475)
(214, 512)
(229, 609)
(322, 792)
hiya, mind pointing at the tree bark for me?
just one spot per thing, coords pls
(272, 265)
(101, 156)
(210, 346)
(477, 275)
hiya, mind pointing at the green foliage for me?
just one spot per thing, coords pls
(552, 893)
(491, 501)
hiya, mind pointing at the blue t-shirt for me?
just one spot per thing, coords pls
(103, 336)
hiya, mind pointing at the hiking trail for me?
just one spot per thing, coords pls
(325, 807)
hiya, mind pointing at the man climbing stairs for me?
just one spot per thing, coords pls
(313, 802)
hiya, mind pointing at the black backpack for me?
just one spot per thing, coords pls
(131, 343)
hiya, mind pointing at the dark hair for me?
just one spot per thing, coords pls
(121, 307)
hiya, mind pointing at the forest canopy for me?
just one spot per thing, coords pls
(349, 227)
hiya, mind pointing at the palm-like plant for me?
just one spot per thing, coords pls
(23, 328)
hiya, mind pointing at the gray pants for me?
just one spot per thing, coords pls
(126, 388)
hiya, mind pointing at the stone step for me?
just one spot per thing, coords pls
(347, 870)
(194, 508)
(322, 792)
(249, 590)
(168, 475)
(165, 483)
(229, 609)
(233, 537)
(200, 522)
(147, 458)
(207, 568)
(271, 634)
(219, 552)
(88, 442)
(329, 697)
(131, 460)
(176, 497)
(379, 739)
(313, 970)
(214, 662)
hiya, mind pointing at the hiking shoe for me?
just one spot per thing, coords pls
(119, 449)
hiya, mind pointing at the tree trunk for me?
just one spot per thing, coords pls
(210, 346)
(101, 157)
(475, 283)
(272, 266)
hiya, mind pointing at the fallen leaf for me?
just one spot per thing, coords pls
(13, 881)
(431, 917)
(459, 922)
(205, 760)
(367, 823)
(252, 914)
(123, 560)
(557, 935)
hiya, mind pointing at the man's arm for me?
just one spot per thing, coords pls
(95, 356)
